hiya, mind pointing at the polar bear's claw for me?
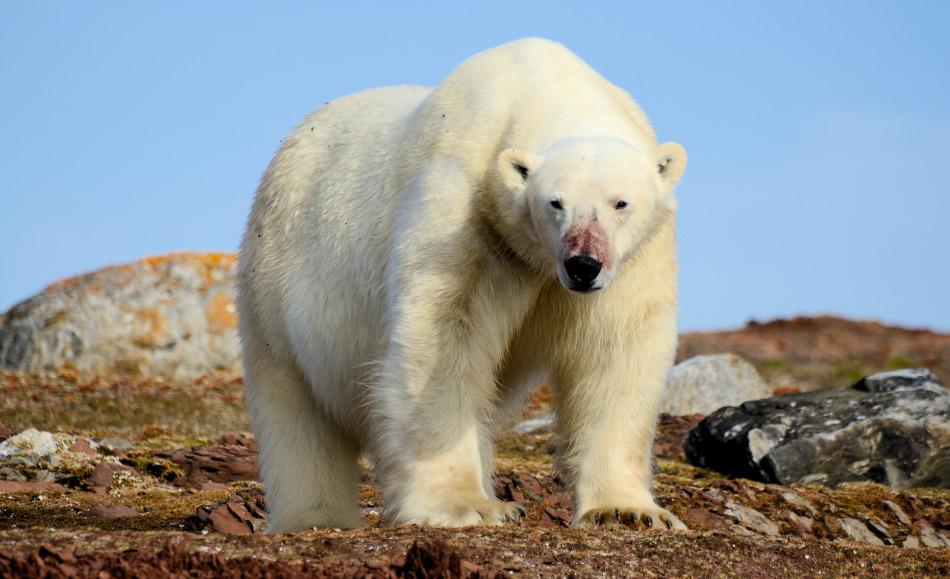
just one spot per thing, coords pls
(501, 512)
(650, 517)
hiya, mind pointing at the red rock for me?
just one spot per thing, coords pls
(111, 512)
(104, 473)
(82, 446)
(8, 486)
(238, 440)
(224, 520)
(706, 518)
(220, 463)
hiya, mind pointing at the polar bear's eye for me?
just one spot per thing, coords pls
(620, 205)
(556, 204)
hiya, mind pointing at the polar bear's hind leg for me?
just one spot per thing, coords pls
(309, 467)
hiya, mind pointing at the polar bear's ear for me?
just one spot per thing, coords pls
(670, 162)
(515, 165)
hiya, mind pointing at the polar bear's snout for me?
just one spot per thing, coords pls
(584, 254)
(582, 271)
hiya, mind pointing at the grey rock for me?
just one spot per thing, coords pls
(703, 384)
(799, 522)
(879, 528)
(931, 538)
(858, 531)
(31, 444)
(170, 316)
(885, 429)
(906, 379)
(10, 474)
(114, 443)
(798, 501)
(751, 518)
(43, 475)
(897, 512)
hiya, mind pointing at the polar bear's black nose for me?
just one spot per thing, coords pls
(582, 269)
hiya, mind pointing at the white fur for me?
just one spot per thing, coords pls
(398, 292)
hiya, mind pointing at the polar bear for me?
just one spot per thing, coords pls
(417, 259)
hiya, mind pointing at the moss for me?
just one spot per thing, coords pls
(773, 365)
(897, 362)
(849, 372)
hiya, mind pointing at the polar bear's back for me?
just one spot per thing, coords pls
(313, 256)
(530, 93)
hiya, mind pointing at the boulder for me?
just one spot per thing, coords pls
(704, 384)
(885, 428)
(171, 316)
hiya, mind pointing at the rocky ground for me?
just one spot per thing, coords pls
(143, 477)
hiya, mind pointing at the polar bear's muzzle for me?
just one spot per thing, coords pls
(583, 256)
(582, 270)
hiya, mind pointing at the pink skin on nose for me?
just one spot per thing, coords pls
(587, 239)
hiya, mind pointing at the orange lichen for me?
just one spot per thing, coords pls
(221, 313)
(151, 327)
(207, 262)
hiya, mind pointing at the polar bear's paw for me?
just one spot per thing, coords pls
(464, 513)
(638, 518)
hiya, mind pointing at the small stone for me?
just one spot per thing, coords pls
(110, 512)
(879, 528)
(706, 518)
(930, 538)
(537, 425)
(104, 473)
(7, 473)
(911, 542)
(858, 531)
(115, 444)
(803, 525)
(797, 500)
(44, 475)
(82, 446)
(224, 521)
(898, 512)
(751, 518)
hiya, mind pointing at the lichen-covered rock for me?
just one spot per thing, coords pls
(171, 316)
(885, 428)
(704, 384)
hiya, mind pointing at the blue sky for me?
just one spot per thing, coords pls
(818, 132)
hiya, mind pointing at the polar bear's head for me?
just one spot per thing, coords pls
(591, 202)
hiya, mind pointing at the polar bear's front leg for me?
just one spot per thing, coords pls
(450, 313)
(430, 410)
(608, 401)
